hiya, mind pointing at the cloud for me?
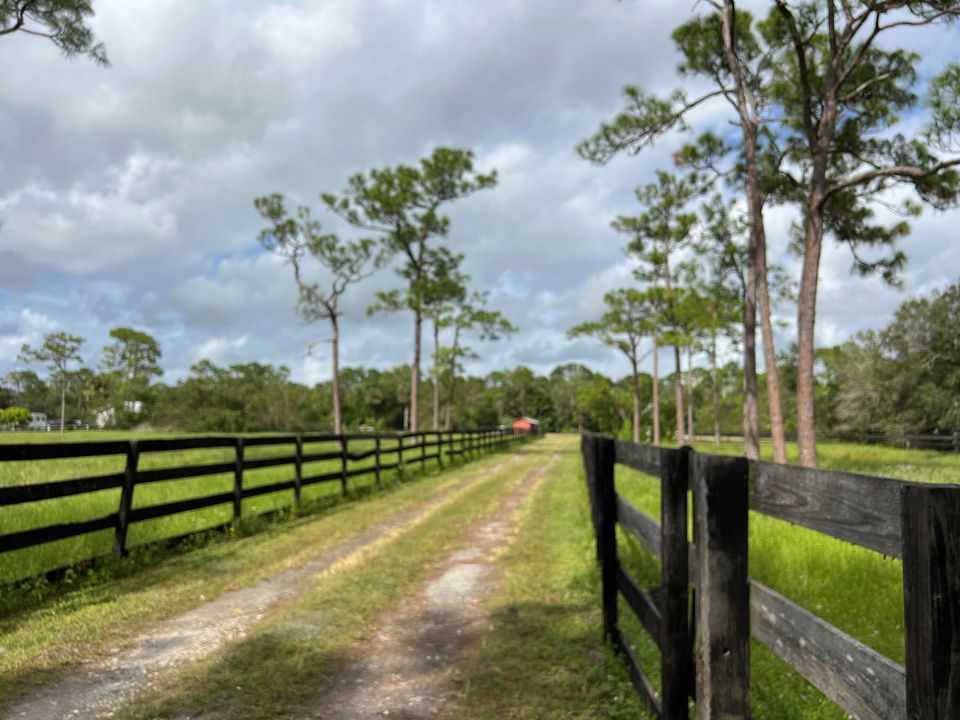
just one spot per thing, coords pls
(126, 193)
(28, 328)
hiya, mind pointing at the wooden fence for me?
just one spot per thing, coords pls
(706, 657)
(400, 449)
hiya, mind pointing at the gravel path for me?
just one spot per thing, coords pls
(407, 670)
(105, 685)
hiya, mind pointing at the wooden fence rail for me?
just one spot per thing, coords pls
(442, 443)
(706, 657)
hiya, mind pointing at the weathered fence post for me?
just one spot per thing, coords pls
(238, 479)
(126, 499)
(376, 461)
(343, 465)
(298, 469)
(931, 594)
(674, 581)
(603, 461)
(723, 595)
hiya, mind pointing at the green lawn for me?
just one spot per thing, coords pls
(31, 561)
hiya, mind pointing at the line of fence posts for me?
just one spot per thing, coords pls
(126, 513)
(706, 657)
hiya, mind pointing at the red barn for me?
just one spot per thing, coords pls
(526, 424)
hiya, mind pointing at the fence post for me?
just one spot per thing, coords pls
(343, 465)
(422, 439)
(298, 469)
(126, 499)
(440, 448)
(674, 580)
(376, 456)
(931, 592)
(400, 465)
(723, 596)
(603, 460)
(238, 479)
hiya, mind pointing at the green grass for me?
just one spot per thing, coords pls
(544, 657)
(855, 589)
(293, 654)
(31, 561)
(44, 639)
(914, 465)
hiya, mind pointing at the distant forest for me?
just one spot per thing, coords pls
(904, 378)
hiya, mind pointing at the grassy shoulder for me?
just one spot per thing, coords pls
(544, 656)
(43, 639)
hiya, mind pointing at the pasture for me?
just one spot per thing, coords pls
(30, 561)
(541, 655)
(855, 589)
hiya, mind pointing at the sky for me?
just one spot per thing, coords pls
(126, 192)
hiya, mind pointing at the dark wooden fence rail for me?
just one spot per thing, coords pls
(706, 657)
(448, 443)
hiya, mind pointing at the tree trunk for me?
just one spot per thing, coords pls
(770, 353)
(335, 383)
(715, 382)
(415, 373)
(451, 395)
(691, 430)
(749, 127)
(678, 367)
(656, 390)
(63, 403)
(636, 399)
(806, 322)
(678, 392)
(436, 375)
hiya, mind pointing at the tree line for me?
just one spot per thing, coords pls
(815, 92)
(903, 378)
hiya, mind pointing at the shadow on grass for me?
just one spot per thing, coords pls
(547, 659)
(273, 673)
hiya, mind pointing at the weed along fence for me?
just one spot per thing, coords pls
(706, 657)
(193, 484)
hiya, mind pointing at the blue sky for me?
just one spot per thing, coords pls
(126, 192)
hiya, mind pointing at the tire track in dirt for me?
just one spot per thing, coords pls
(406, 671)
(106, 685)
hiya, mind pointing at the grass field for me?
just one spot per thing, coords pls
(858, 590)
(541, 657)
(31, 561)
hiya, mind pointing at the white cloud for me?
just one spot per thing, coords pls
(125, 193)
(28, 328)
(301, 35)
(222, 350)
